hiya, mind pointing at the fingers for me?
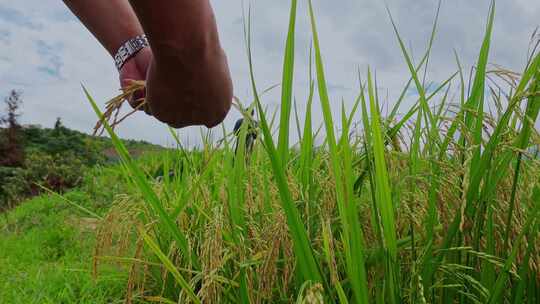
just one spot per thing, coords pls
(137, 100)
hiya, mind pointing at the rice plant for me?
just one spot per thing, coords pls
(438, 205)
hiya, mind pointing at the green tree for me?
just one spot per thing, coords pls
(11, 147)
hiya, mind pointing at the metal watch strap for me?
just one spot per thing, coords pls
(129, 49)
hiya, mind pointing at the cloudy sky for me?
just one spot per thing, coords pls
(46, 53)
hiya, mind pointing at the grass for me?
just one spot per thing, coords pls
(46, 246)
(444, 211)
(438, 205)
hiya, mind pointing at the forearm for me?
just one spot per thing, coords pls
(180, 28)
(112, 22)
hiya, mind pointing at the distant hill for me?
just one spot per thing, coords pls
(92, 149)
(54, 158)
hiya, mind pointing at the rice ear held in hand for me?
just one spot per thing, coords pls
(113, 106)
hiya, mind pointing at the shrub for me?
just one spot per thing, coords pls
(56, 172)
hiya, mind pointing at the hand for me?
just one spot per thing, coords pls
(190, 90)
(136, 68)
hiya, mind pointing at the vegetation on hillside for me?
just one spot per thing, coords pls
(33, 158)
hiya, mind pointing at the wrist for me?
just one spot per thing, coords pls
(129, 49)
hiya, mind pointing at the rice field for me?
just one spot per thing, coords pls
(435, 204)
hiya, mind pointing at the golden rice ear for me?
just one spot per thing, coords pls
(113, 106)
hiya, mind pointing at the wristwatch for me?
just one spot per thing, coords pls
(129, 49)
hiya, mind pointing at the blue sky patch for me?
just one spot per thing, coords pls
(52, 72)
(50, 53)
(4, 35)
(63, 16)
(337, 87)
(13, 16)
(429, 89)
